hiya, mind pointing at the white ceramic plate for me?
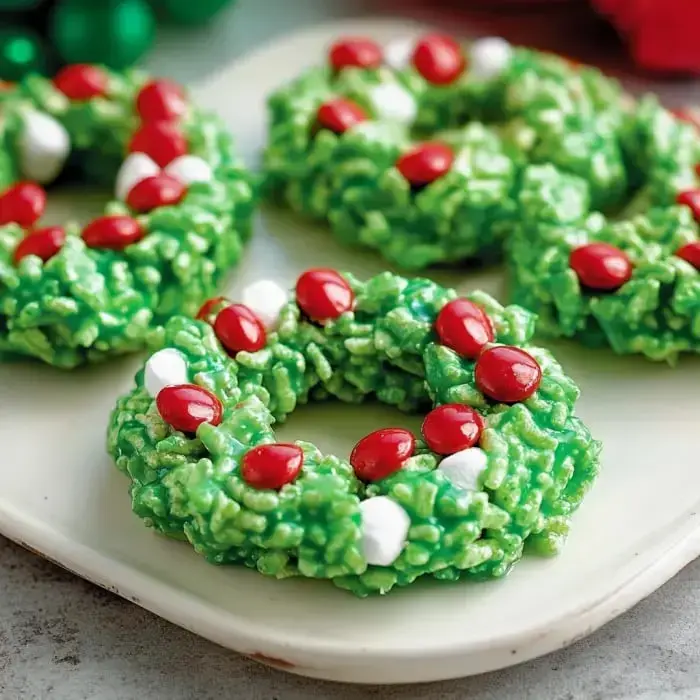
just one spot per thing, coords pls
(60, 495)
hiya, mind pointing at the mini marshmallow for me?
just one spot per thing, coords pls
(189, 168)
(166, 367)
(463, 468)
(394, 103)
(399, 52)
(385, 526)
(488, 57)
(43, 147)
(266, 298)
(136, 167)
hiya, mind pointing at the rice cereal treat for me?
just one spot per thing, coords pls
(501, 464)
(417, 148)
(631, 282)
(432, 152)
(75, 293)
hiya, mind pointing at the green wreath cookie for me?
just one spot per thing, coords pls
(434, 153)
(631, 283)
(72, 294)
(416, 149)
(501, 465)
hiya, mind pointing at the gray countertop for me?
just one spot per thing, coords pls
(63, 638)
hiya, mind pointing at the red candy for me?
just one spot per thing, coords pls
(272, 466)
(161, 140)
(323, 294)
(161, 100)
(425, 163)
(210, 308)
(22, 204)
(81, 82)
(464, 327)
(186, 406)
(113, 232)
(239, 329)
(453, 427)
(690, 252)
(155, 191)
(44, 243)
(382, 453)
(690, 199)
(601, 266)
(339, 115)
(439, 59)
(355, 52)
(507, 374)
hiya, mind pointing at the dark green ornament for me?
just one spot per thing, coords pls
(116, 33)
(21, 52)
(190, 11)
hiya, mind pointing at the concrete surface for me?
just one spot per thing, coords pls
(63, 638)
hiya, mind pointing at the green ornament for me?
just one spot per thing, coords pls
(191, 11)
(115, 33)
(21, 52)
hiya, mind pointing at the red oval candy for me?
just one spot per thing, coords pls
(452, 427)
(355, 52)
(23, 204)
(339, 115)
(464, 327)
(690, 199)
(161, 100)
(113, 232)
(161, 140)
(186, 406)
(272, 466)
(690, 252)
(425, 163)
(323, 294)
(81, 81)
(156, 191)
(601, 266)
(439, 59)
(44, 243)
(239, 329)
(507, 374)
(381, 453)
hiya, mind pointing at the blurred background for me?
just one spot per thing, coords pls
(650, 42)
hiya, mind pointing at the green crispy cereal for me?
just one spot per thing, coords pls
(73, 294)
(501, 465)
(433, 153)
(350, 142)
(633, 281)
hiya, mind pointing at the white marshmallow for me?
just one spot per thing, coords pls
(488, 57)
(188, 169)
(166, 367)
(399, 52)
(43, 147)
(266, 298)
(385, 526)
(463, 468)
(136, 167)
(394, 103)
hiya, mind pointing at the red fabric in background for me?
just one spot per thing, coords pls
(662, 34)
(627, 37)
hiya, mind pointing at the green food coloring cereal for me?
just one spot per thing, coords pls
(500, 466)
(71, 294)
